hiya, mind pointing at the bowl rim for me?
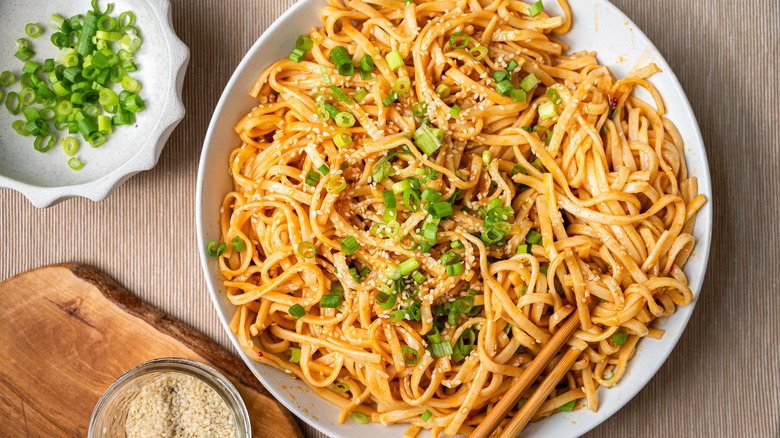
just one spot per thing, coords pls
(702, 244)
(148, 155)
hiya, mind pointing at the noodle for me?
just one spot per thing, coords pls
(549, 213)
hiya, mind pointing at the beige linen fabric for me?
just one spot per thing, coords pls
(720, 381)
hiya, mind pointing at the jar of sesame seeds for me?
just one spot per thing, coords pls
(171, 397)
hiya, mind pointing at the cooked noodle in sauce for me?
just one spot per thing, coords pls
(423, 194)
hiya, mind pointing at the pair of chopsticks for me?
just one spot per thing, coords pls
(540, 362)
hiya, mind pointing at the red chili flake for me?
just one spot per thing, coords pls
(671, 268)
(470, 417)
(260, 354)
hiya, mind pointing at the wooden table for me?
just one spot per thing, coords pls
(720, 381)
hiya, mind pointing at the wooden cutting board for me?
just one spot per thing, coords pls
(68, 331)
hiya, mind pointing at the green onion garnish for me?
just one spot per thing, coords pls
(459, 36)
(324, 169)
(547, 111)
(336, 185)
(342, 139)
(533, 237)
(402, 85)
(411, 356)
(407, 242)
(366, 63)
(411, 200)
(349, 245)
(499, 76)
(529, 82)
(7, 78)
(535, 9)
(392, 97)
(455, 110)
(307, 250)
(330, 301)
(539, 129)
(426, 139)
(388, 199)
(297, 55)
(340, 57)
(443, 90)
(75, 164)
(360, 418)
(295, 355)
(394, 60)
(220, 249)
(479, 52)
(553, 96)
(440, 349)
(386, 301)
(619, 338)
(238, 244)
(456, 244)
(441, 210)
(511, 66)
(419, 109)
(429, 232)
(504, 87)
(517, 95)
(426, 416)
(453, 270)
(304, 43)
(408, 266)
(340, 387)
(296, 311)
(360, 94)
(345, 119)
(312, 178)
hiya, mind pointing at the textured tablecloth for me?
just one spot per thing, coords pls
(722, 378)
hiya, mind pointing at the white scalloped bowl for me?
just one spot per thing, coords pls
(599, 26)
(45, 178)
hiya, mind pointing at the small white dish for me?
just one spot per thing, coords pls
(597, 26)
(45, 178)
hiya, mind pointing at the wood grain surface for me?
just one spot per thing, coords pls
(69, 331)
(722, 378)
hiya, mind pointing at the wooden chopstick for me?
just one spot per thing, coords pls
(508, 400)
(540, 395)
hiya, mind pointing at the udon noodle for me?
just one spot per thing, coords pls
(348, 271)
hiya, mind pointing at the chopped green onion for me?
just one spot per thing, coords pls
(345, 119)
(464, 304)
(411, 356)
(307, 250)
(342, 139)
(407, 246)
(500, 76)
(31, 67)
(336, 185)
(324, 169)
(104, 124)
(440, 349)
(449, 258)
(312, 178)
(521, 402)
(426, 139)
(533, 237)
(443, 90)
(340, 95)
(325, 75)
(44, 142)
(296, 311)
(459, 36)
(543, 269)
(295, 355)
(340, 57)
(411, 200)
(547, 111)
(619, 338)
(20, 127)
(32, 30)
(430, 194)
(419, 109)
(394, 60)
(340, 387)
(517, 95)
(360, 418)
(409, 265)
(388, 199)
(535, 9)
(126, 19)
(529, 82)
(238, 244)
(400, 186)
(418, 276)
(24, 54)
(330, 301)
(567, 406)
(539, 129)
(304, 43)
(453, 270)
(402, 85)
(7, 78)
(349, 245)
(479, 52)
(504, 87)
(220, 249)
(454, 111)
(130, 42)
(75, 164)
(130, 84)
(392, 97)
(429, 232)
(553, 96)
(426, 416)
(386, 301)
(441, 210)
(297, 55)
(360, 94)
(511, 66)
(366, 63)
(9, 103)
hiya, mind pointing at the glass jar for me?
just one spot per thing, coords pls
(110, 413)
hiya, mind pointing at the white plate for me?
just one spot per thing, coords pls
(598, 26)
(45, 178)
